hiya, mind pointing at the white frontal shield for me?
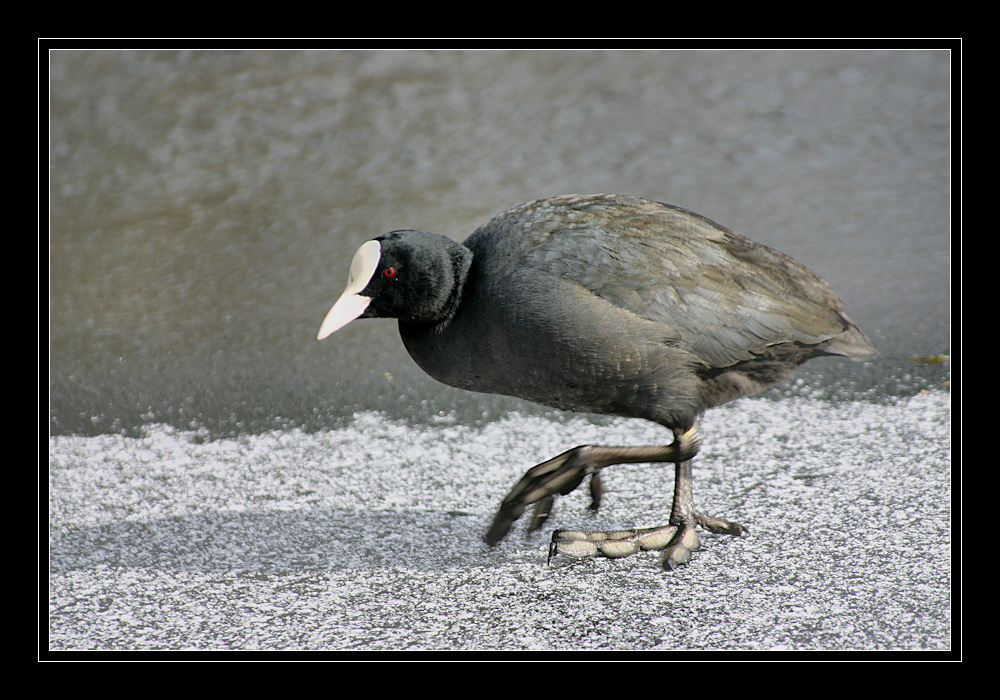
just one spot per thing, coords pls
(351, 303)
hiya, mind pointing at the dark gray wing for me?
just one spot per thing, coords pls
(724, 297)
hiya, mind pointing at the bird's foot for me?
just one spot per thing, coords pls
(676, 541)
(540, 485)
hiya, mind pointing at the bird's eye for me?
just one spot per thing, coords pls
(389, 272)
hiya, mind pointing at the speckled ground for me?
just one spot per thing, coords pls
(368, 537)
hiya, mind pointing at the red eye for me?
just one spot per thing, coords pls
(389, 272)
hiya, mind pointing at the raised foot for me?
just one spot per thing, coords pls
(676, 541)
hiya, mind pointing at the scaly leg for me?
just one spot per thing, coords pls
(563, 473)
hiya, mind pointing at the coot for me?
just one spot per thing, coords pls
(607, 304)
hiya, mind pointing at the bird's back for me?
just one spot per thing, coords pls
(725, 297)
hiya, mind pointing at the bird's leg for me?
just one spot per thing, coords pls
(685, 516)
(563, 473)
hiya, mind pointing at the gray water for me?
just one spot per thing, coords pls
(218, 479)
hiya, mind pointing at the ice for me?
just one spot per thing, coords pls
(369, 537)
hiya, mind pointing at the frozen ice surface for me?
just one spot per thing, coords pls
(369, 537)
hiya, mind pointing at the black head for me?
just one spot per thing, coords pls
(414, 276)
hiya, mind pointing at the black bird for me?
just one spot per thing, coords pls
(606, 304)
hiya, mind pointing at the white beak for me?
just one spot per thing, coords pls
(351, 303)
